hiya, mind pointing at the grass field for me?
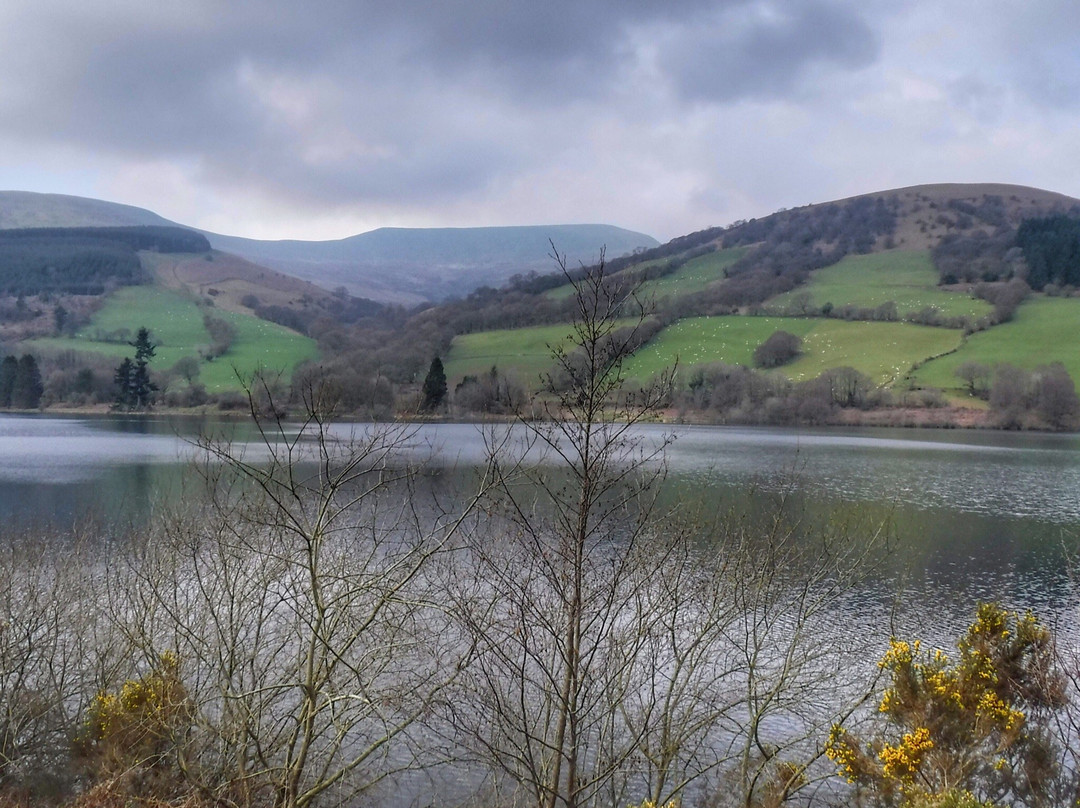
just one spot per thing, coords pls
(176, 325)
(906, 278)
(693, 276)
(1044, 330)
(698, 340)
(525, 350)
(883, 351)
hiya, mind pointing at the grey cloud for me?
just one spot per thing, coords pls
(763, 51)
(977, 97)
(159, 85)
(411, 105)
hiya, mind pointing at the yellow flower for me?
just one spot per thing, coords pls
(902, 761)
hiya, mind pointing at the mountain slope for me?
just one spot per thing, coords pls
(401, 265)
(891, 283)
(407, 265)
(27, 209)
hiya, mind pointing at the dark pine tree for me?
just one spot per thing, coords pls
(9, 369)
(122, 380)
(144, 348)
(60, 318)
(27, 390)
(434, 390)
(134, 389)
(142, 389)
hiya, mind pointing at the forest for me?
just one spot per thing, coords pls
(84, 260)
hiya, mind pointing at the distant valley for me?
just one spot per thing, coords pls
(391, 265)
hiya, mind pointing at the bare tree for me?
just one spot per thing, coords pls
(297, 604)
(621, 652)
(55, 653)
(542, 602)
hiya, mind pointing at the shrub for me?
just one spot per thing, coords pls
(966, 730)
(779, 349)
(136, 729)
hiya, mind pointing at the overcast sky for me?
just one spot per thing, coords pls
(325, 118)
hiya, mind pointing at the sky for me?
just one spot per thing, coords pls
(326, 118)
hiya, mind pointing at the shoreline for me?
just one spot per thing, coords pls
(950, 417)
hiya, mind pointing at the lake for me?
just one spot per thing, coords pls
(976, 514)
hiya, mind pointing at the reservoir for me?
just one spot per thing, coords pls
(974, 514)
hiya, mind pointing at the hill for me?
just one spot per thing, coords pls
(73, 298)
(26, 209)
(896, 289)
(399, 265)
(410, 265)
(898, 300)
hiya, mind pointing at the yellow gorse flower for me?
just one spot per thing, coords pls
(902, 761)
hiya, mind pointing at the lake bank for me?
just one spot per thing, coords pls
(947, 417)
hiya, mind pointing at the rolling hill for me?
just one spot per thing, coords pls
(410, 265)
(399, 265)
(899, 285)
(900, 288)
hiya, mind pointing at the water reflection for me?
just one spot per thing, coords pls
(974, 511)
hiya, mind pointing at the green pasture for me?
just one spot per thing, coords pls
(258, 344)
(176, 326)
(525, 350)
(699, 340)
(694, 275)
(1043, 330)
(907, 278)
(883, 351)
(691, 277)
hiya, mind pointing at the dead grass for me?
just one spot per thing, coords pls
(227, 279)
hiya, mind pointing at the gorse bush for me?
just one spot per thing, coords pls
(138, 725)
(967, 729)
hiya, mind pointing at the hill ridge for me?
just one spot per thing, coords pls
(413, 265)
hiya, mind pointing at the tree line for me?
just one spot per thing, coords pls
(20, 383)
(84, 260)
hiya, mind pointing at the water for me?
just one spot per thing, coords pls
(976, 514)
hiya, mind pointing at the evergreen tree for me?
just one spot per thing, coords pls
(60, 318)
(9, 369)
(134, 389)
(144, 348)
(434, 390)
(122, 380)
(27, 390)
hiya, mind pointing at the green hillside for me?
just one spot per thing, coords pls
(694, 275)
(176, 325)
(1043, 330)
(698, 340)
(907, 278)
(862, 256)
(883, 351)
(527, 351)
(691, 277)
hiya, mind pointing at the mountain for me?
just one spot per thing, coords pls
(400, 265)
(407, 265)
(28, 209)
